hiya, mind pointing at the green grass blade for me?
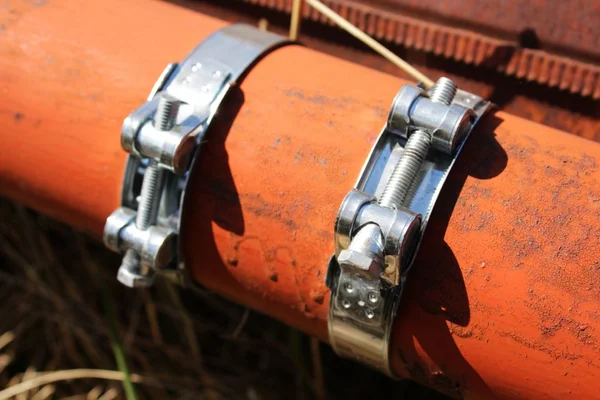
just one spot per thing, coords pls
(116, 344)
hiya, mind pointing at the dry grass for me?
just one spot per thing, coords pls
(180, 345)
(55, 332)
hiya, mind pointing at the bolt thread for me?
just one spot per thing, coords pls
(443, 91)
(166, 113)
(417, 146)
(406, 169)
(164, 120)
(149, 196)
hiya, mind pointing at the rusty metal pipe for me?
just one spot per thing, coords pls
(504, 299)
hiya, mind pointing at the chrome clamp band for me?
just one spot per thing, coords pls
(162, 137)
(381, 222)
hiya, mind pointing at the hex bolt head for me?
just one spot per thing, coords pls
(369, 267)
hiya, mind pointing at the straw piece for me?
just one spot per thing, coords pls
(369, 41)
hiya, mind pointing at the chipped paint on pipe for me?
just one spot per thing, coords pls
(505, 297)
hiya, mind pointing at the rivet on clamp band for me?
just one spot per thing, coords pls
(162, 137)
(381, 222)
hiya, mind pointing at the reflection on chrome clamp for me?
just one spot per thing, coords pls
(162, 137)
(381, 222)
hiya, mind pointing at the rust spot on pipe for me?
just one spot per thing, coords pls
(483, 307)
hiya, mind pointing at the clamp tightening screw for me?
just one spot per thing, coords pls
(443, 91)
(131, 272)
(396, 190)
(417, 146)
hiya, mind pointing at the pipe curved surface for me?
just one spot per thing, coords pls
(504, 299)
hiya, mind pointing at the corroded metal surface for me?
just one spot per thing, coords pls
(568, 27)
(559, 109)
(506, 56)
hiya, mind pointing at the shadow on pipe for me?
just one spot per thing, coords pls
(436, 299)
(423, 343)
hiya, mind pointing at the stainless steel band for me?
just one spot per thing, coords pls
(162, 137)
(381, 222)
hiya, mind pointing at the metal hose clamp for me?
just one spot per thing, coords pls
(162, 138)
(381, 222)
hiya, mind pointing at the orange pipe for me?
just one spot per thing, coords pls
(505, 296)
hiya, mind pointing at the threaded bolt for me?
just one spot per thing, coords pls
(166, 113)
(417, 146)
(164, 119)
(443, 91)
(406, 169)
(149, 200)
(146, 215)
